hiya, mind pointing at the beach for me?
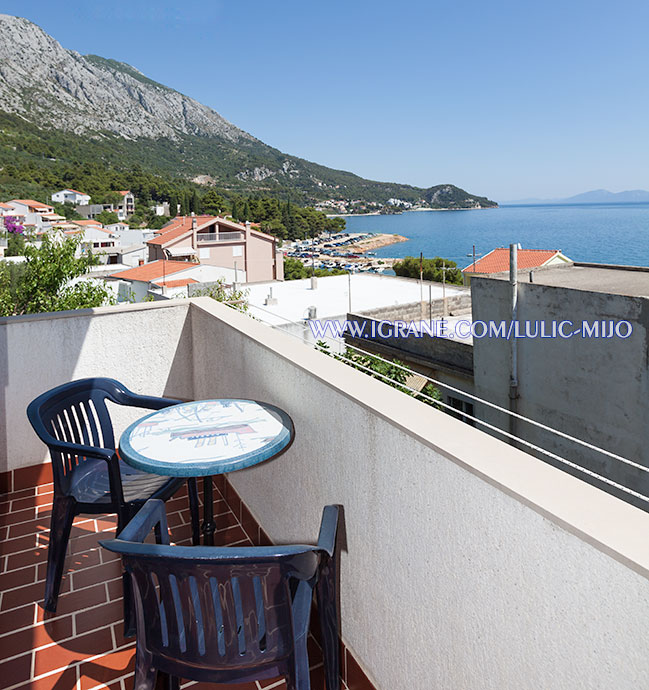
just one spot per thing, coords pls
(376, 242)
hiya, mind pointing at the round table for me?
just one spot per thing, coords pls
(205, 438)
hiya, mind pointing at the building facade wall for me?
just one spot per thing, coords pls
(594, 389)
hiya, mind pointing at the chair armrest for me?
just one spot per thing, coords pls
(148, 402)
(151, 515)
(329, 529)
(81, 450)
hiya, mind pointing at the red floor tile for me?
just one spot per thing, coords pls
(15, 670)
(76, 649)
(78, 641)
(64, 679)
(107, 613)
(14, 643)
(107, 668)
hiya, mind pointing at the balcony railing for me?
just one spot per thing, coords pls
(219, 236)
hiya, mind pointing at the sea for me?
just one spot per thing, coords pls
(599, 233)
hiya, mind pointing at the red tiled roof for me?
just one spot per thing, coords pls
(497, 260)
(176, 283)
(179, 226)
(154, 270)
(77, 192)
(96, 223)
(31, 202)
(122, 192)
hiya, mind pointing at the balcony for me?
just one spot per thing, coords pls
(466, 563)
(209, 237)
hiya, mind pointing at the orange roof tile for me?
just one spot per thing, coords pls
(95, 223)
(176, 283)
(497, 260)
(31, 202)
(154, 270)
(179, 226)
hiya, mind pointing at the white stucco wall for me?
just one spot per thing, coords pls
(467, 564)
(146, 347)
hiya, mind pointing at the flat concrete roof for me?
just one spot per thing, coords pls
(331, 297)
(617, 280)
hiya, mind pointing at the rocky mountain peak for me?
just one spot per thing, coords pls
(55, 87)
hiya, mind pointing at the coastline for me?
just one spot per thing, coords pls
(409, 210)
(377, 241)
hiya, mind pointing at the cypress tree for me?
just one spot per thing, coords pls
(195, 203)
(246, 211)
(173, 205)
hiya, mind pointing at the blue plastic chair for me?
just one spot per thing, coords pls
(89, 478)
(228, 614)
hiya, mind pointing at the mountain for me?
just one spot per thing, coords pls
(603, 196)
(597, 196)
(58, 107)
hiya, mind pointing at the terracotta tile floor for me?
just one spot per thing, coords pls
(81, 646)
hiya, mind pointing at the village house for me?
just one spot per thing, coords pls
(70, 196)
(497, 261)
(168, 278)
(34, 215)
(216, 241)
(126, 207)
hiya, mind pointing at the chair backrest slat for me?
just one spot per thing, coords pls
(219, 614)
(74, 413)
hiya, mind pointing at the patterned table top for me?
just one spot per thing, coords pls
(206, 437)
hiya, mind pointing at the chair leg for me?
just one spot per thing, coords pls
(172, 683)
(327, 597)
(298, 677)
(192, 491)
(123, 518)
(145, 674)
(60, 526)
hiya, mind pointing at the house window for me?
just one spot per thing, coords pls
(462, 406)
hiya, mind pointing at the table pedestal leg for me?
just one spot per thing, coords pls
(209, 526)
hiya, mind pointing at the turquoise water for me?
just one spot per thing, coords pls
(602, 233)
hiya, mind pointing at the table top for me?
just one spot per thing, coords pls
(206, 437)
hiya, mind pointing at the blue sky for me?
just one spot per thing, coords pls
(507, 99)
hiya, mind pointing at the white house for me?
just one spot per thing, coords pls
(170, 278)
(126, 207)
(25, 206)
(117, 227)
(71, 196)
(33, 214)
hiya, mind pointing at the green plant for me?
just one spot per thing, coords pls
(48, 280)
(380, 369)
(433, 269)
(222, 292)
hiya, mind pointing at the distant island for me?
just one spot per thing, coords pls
(597, 196)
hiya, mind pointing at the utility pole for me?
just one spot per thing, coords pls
(314, 281)
(444, 287)
(349, 283)
(421, 281)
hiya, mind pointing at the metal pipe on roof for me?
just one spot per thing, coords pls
(513, 373)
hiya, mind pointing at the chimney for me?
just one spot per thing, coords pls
(194, 232)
